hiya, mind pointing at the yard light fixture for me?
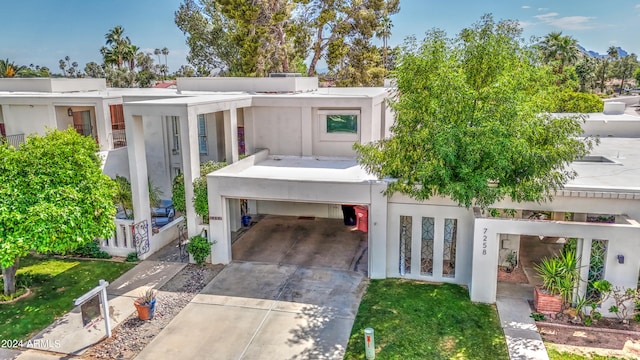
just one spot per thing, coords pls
(70, 111)
(620, 259)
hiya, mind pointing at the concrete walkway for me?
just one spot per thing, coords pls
(67, 335)
(523, 340)
(257, 310)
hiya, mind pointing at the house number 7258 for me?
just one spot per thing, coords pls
(484, 241)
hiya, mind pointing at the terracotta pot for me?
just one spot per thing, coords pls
(546, 303)
(145, 311)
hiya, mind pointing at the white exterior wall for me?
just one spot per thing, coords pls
(464, 240)
(612, 128)
(288, 208)
(28, 119)
(158, 165)
(623, 239)
(278, 129)
(583, 202)
(115, 162)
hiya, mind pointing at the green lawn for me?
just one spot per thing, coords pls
(415, 320)
(55, 283)
(557, 355)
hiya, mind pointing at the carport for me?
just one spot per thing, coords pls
(304, 241)
(295, 179)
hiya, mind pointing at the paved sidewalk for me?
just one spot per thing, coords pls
(67, 336)
(523, 340)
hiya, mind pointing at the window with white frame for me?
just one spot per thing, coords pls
(202, 134)
(339, 125)
(175, 134)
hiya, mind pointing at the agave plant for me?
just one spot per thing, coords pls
(560, 274)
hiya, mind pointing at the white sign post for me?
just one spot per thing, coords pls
(101, 290)
(369, 344)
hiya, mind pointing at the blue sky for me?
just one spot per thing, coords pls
(41, 32)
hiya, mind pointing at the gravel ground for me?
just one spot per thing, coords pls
(132, 335)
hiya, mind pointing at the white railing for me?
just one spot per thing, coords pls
(121, 244)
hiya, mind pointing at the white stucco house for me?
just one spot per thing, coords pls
(288, 144)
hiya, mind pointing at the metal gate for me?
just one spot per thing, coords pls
(140, 232)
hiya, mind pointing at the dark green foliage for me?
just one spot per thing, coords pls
(414, 320)
(132, 257)
(200, 199)
(199, 247)
(91, 250)
(537, 316)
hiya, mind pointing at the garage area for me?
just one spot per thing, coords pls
(306, 224)
(303, 240)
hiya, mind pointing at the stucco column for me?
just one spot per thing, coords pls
(378, 231)
(231, 134)
(103, 117)
(366, 118)
(484, 272)
(138, 168)
(306, 128)
(218, 224)
(583, 250)
(190, 164)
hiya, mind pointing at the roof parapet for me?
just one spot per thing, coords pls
(51, 85)
(252, 85)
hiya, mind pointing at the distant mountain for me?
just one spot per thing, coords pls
(594, 54)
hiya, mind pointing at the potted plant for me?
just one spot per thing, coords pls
(146, 304)
(560, 275)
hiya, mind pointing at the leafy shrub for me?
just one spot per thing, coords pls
(199, 247)
(200, 198)
(91, 250)
(570, 101)
(132, 257)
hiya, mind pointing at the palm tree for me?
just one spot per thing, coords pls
(157, 53)
(120, 46)
(612, 54)
(559, 50)
(384, 32)
(114, 36)
(165, 52)
(129, 54)
(10, 69)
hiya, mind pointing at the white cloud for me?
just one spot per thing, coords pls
(526, 7)
(637, 6)
(543, 9)
(566, 22)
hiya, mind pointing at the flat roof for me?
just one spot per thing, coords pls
(108, 93)
(303, 168)
(622, 173)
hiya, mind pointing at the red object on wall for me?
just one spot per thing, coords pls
(362, 217)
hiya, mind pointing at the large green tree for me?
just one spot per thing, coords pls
(53, 198)
(472, 121)
(240, 38)
(624, 68)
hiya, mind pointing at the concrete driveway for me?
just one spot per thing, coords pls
(256, 310)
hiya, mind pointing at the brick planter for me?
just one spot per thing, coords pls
(545, 302)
